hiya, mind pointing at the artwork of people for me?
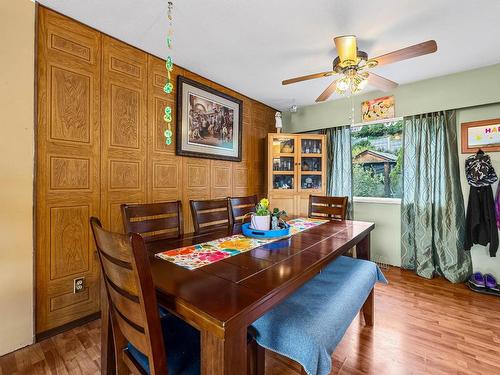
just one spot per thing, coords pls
(210, 123)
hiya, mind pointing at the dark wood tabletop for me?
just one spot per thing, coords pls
(222, 299)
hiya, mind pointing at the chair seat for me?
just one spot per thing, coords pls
(182, 343)
(163, 312)
(309, 324)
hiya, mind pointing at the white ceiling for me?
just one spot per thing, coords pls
(251, 46)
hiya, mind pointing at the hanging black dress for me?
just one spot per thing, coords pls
(480, 221)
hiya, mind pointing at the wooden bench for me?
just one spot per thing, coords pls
(308, 325)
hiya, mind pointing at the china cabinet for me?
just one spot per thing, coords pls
(296, 168)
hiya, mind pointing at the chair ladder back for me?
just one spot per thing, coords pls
(241, 206)
(153, 221)
(132, 298)
(324, 207)
(210, 214)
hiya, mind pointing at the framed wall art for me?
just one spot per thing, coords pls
(378, 109)
(209, 122)
(484, 135)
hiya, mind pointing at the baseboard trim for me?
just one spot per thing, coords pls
(66, 327)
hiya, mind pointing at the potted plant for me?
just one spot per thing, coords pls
(261, 219)
(278, 219)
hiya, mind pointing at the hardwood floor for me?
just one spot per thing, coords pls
(421, 327)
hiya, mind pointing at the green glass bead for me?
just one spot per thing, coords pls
(169, 42)
(168, 133)
(168, 141)
(168, 88)
(168, 110)
(169, 64)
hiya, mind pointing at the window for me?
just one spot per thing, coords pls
(377, 159)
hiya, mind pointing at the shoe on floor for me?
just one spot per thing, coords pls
(490, 282)
(477, 279)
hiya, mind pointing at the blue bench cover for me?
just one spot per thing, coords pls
(309, 324)
(182, 343)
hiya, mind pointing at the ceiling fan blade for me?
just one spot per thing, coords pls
(347, 48)
(305, 78)
(407, 53)
(381, 83)
(328, 92)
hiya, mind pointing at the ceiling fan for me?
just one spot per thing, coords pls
(353, 65)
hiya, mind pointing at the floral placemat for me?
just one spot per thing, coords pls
(192, 257)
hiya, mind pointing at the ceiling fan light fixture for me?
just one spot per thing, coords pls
(362, 84)
(351, 83)
(343, 84)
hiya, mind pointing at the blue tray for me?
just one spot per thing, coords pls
(268, 234)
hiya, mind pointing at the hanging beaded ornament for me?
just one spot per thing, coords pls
(169, 86)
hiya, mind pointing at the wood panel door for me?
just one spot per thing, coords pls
(123, 128)
(164, 168)
(221, 179)
(67, 169)
(302, 205)
(196, 176)
(284, 202)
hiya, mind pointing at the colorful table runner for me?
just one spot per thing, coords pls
(192, 257)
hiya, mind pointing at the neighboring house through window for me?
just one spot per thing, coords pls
(377, 159)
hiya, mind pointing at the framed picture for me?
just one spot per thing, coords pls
(209, 122)
(484, 135)
(377, 109)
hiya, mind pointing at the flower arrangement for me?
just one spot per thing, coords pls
(265, 219)
(262, 208)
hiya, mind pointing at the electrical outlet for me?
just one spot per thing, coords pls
(78, 285)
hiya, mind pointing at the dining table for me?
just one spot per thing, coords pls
(224, 298)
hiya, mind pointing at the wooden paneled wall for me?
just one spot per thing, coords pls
(68, 170)
(100, 143)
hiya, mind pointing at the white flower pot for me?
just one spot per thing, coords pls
(260, 222)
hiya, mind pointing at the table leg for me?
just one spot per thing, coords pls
(363, 248)
(224, 356)
(107, 345)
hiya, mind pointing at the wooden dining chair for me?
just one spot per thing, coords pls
(210, 214)
(324, 207)
(139, 337)
(153, 221)
(239, 207)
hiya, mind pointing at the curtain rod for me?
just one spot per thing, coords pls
(383, 121)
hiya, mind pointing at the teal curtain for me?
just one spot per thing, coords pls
(339, 164)
(432, 208)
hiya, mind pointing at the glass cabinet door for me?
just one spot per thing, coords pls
(283, 162)
(311, 146)
(311, 164)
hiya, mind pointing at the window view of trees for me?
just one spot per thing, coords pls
(377, 159)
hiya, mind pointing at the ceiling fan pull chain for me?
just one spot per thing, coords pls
(352, 110)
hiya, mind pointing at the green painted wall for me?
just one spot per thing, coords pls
(460, 90)
(474, 93)
(385, 239)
